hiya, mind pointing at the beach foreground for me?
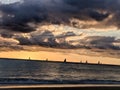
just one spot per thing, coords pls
(29, 74)
(61, 87)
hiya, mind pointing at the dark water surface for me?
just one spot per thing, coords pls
(42, 72)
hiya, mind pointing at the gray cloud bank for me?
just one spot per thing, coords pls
(20, 23)
(17, 16)
(66, 40)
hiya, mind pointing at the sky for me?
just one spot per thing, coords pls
(73, 29)
(8, 1)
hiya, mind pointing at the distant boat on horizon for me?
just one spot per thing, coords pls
(65, 60)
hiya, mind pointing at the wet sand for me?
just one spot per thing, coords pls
(60, 87)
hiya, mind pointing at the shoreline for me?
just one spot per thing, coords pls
(57, 86)
(61, 87)
(65, 62)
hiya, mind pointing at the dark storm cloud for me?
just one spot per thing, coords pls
(48, 39)
(100, 42)
(63, 40)
(43, 39)
(16, 16)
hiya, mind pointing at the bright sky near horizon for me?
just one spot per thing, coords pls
(8, 1)
(76, 25)
(59, 56)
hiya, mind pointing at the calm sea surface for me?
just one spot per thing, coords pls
(42, 72)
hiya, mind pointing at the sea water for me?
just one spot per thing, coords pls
(44, 72)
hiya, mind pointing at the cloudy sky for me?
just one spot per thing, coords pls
(82, 30)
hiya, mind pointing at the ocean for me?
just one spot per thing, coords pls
(47, 72)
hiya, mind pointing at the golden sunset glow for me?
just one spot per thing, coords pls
(57, 56)
(76, 30)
